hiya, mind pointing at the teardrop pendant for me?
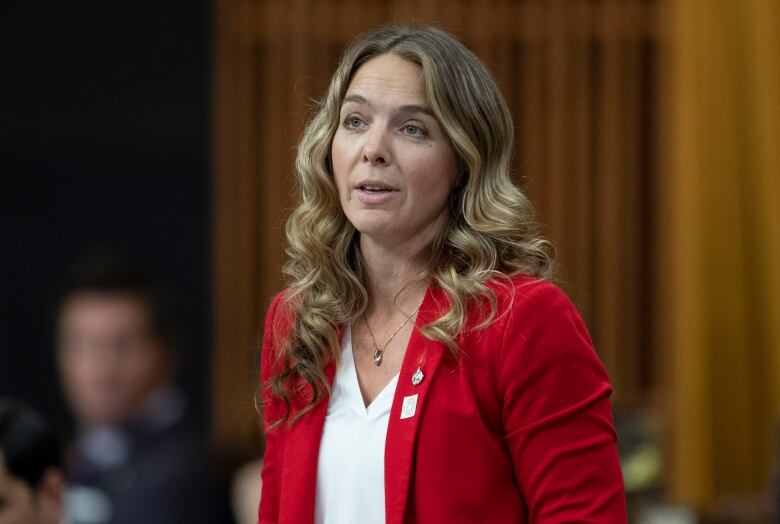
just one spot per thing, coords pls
(378, 357)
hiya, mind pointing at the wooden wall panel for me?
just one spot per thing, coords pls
(578, 79)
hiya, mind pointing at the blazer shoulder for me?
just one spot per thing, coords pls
(529, 305)
(516, 290)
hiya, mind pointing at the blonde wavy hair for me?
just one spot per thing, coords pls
(491, 232)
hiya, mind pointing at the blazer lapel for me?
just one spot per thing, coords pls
(408, 407)
(301, 452)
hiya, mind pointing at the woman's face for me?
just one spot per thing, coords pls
(394, 166)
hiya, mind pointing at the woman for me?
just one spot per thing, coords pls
(420, 367)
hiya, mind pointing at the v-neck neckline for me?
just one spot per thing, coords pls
(354, 384)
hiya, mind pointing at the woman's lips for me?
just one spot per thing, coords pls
(374, 194)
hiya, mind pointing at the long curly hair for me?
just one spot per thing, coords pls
(491, 231)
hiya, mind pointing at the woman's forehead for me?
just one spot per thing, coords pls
(388, 78)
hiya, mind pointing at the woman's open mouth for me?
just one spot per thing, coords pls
(373, 194)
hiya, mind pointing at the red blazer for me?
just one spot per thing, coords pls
(517, 429)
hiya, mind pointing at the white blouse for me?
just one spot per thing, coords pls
(350, 469)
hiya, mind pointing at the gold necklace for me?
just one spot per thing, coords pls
(379, 352)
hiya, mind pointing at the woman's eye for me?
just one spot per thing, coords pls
(414, 130)
(353, 122)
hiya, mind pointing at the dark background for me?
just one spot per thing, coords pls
(104, 141)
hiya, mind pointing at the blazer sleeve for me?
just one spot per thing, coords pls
(556, 411)
(268, 512)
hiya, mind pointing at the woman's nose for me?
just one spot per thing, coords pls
(375, 148)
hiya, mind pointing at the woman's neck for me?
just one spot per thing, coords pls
(394, 277)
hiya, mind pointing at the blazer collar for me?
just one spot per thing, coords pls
(426, 355)
(299, 467)
(301, 453)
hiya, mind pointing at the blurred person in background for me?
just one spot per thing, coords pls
(136, 458)
(31, 479)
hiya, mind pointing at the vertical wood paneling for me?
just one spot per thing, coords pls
(532, 108)
(609, 222)
(581, 266)
(275, 88)
(631, 216)
(554, 128)
(719, 294)
(235, 292)
(571, 74)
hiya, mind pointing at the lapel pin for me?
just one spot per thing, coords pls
(409, 407)
(417, 377)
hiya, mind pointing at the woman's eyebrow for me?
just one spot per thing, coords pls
(357, 99)
(407, 108)
(415, 109)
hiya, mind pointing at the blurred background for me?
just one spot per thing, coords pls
(647, 135)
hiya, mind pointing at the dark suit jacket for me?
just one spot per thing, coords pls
(167, 478)
(517, 429)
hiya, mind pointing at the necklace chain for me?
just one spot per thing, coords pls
(379, 352)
